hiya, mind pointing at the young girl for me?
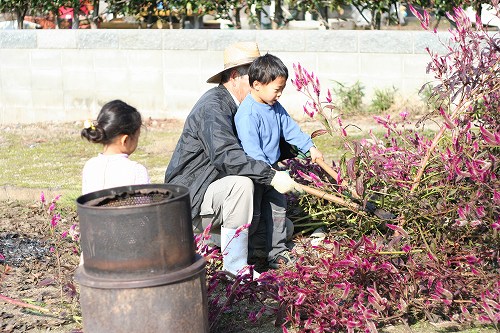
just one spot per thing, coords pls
(118, 128)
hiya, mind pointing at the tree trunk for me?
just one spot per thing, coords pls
(20, 18)
(76, 20)
(149, 18)
(197, 22)
(237, 18)
(278, 15)
(94, 18)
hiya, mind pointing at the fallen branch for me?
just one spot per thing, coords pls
(24, 304)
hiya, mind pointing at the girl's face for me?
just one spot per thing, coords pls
(268, 93)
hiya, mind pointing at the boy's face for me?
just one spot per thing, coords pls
(268, 93)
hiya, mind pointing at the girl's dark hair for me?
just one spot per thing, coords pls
(266, 69)
(116, 118)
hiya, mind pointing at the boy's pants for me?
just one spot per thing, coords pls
(268, 231)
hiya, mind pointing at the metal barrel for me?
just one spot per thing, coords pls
(140, 272)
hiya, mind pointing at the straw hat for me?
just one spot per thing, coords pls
(238, 54)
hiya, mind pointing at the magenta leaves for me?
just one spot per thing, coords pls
(359, 286)
(233, 301)
(442, 187)
(434, 253)
(445, 181)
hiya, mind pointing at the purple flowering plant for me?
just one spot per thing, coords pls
(436, 255)
(448, 180)
(57, 235)
(229, 296)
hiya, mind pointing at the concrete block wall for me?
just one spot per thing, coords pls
(67, 75)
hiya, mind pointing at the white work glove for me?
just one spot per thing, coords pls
(283, 183)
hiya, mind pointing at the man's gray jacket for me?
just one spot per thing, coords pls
(208, 148)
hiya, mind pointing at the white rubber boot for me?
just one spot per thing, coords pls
(235, 251)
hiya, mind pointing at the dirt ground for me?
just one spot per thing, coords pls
(29, 272)
(35, 278)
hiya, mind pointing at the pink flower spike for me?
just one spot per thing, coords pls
(55, 219)
(406, 248)
(240, 229)
(52, 207)
(316, 180)
(329, 96)
(496, 196)
(480, 212)
(416, 13)
(426, 20)
(317, 87)
(475, 223)
(42, 198)
(489, 137)
(339, 178)
(304, 176)
(461, 213)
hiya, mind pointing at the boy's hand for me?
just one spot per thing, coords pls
(316, 154)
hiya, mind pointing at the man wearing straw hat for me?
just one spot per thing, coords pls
(209, 160)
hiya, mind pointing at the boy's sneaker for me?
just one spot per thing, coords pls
(282, 260)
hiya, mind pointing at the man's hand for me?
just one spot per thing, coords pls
(283, 183)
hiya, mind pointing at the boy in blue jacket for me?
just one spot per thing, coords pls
(261, 121)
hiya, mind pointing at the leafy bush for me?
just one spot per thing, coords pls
(382, 100)
(442, 190)
(349, 98)
(460, 163)
(357, 286)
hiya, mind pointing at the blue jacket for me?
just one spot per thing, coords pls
(260, 128)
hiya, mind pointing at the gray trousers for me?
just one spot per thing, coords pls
(227, 202)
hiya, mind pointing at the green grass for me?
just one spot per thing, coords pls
(51, 156)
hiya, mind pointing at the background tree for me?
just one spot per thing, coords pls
(376, 8)
(22, 8)
(439, 8)
(224, 9)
